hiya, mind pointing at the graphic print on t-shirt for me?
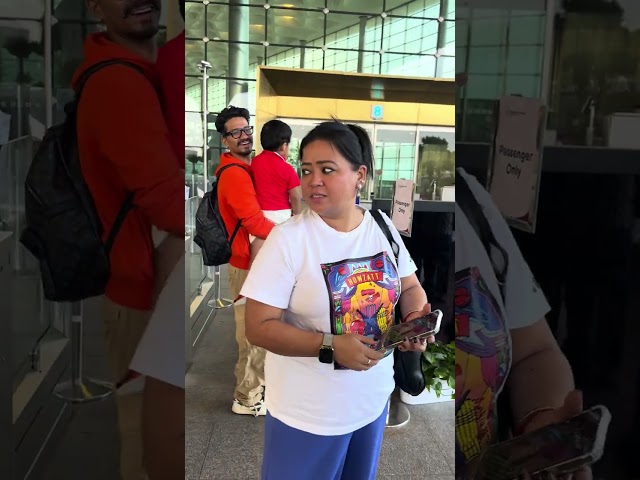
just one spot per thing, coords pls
(363, 293)
(482, 364)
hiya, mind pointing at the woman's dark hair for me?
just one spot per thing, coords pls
(274, 134)
(352, 142)
(182, 6)
(229, 113)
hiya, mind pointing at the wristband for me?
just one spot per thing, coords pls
(404, 318)
(526, 420)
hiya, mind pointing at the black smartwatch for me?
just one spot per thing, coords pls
(326, 350)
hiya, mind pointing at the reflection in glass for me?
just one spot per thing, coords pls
(289, 27)
(436, 163)
(22, 79)
(370, 6)
(394, 158)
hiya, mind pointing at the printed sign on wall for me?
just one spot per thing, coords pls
(402, 206)
(515, 166)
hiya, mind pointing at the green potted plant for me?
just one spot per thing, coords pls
(438, 368)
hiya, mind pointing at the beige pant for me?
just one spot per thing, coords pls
(250, 367)
(124, 328)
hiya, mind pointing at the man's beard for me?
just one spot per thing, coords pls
(146, 34)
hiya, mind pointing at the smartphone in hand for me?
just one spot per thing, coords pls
(413, 329)
(558, 449)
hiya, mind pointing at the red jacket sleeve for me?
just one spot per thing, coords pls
(131, 133)
(237, 187)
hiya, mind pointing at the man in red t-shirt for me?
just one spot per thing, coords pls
(276, 182)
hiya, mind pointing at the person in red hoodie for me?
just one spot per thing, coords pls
(237, 201)
(124, 147)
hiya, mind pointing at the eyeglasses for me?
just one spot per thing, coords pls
(237, 133)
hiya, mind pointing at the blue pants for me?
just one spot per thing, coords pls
(291, 454)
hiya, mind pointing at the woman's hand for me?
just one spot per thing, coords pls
(572, 406)
(418, 345)
(351, 351)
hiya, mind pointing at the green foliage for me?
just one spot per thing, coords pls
(439, 366)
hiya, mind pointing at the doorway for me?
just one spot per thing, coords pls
(421, 153)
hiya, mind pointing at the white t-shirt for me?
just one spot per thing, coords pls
(332, 282)
(159, 354)
(483, 322)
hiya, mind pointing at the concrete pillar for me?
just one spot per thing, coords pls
(363, 27)
(238, 53)
(442, 36)
(303, 50)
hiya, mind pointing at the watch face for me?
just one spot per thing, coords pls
(326, 355)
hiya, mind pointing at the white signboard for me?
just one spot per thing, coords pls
(515, 166)
(402, 206)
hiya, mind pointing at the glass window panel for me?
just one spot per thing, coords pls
(305, 4)
(526, 30)
(408, 65)
(525, 85)
(429, 37)
(22, 75)
(314, 58)
(483, 86)
(195, 20)
(217, 94)
(346, 29)
(447, 66)
(373, 34)
(488, 31)
(218, 56)
(192, 94)
(426, 9)
(486, 59)
(436, 162)
(68, 52)
(288, 27)
(403, 32)
(217, 22)
(394, 26)
(193, 129)
(461, 59)
(524, 60)
(451, 11)
(371, 63)
(66, 10)
(257, 30)
(193, 53)
(370, 6)
(461, 29)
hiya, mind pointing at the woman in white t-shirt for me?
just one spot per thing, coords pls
(322, 288)
(502, 338)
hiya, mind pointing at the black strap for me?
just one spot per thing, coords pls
(127, 204)
(395, 248)
(478, 220)
(235, 230)
(387, 232)
(106, 63)
(117, 223)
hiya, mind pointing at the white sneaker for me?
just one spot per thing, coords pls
(257, 409)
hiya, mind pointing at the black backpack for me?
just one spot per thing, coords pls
(63, 230)
(211, 232)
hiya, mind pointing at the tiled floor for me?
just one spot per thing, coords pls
(89, 447)
(223, 446)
